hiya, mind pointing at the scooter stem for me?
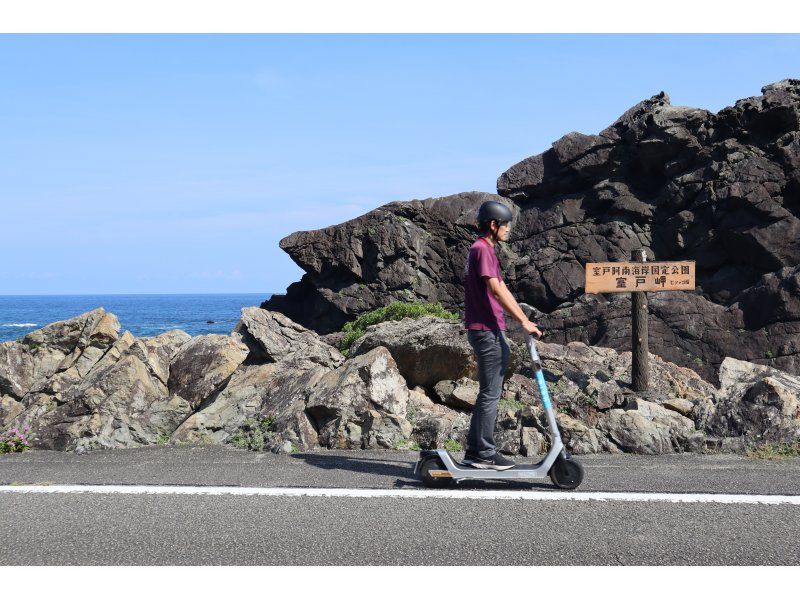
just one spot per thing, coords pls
(548, 406)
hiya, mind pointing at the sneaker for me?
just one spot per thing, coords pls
(470, 458)
(496, 461)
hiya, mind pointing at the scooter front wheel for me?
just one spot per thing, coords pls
(428, 471)
(566, 473)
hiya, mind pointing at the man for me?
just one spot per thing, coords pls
(485, 298)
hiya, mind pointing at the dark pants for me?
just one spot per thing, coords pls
(491, 350)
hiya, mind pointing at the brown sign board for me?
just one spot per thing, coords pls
(630, 277)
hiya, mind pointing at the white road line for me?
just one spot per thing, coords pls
(746, 499)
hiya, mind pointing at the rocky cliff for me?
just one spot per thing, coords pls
(720, 189)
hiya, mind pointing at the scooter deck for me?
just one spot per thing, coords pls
(459, 470)
(517, 467)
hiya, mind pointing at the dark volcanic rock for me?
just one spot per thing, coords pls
(720, 189)
(403, 251)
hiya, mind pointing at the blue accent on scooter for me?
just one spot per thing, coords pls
(543, 390)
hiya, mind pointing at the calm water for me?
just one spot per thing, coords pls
(142, 315)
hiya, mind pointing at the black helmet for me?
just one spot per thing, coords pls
(493, 210)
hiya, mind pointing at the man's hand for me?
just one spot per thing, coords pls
(531, 328)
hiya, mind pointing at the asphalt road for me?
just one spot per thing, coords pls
(194, 529)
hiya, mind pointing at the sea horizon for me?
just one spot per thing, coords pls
(142, 314)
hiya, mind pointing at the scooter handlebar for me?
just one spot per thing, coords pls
(532, 348)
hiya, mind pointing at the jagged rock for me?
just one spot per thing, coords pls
(427, 350)
(274, 337)
(239, 401)
(384, 430)
(576, 436)
(399, 252)
(460, 394)
(757, 403)
(120, 346)
(287, 398)
(76, 343)
(115, 406)
(16, 369)
(681, 406)
(507, 441)
(589, 368)
(532, 442)
(274, 391)
(203, 365)
(341, 402)
(9, 409)
(433, 429)
(159, 351)
(649, 430)
(720, 189)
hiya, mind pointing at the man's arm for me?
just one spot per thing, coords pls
(506, 299)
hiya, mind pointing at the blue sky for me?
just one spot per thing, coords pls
(176, 163)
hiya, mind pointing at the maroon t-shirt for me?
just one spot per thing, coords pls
(482, 311)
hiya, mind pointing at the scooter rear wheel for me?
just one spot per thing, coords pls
(435, 464)
(566, 473)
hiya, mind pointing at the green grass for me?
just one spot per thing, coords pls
(394, 311)
(774, 451)
(454, 446)
(511, 404)
(406, 445)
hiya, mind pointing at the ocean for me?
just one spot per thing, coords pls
(142, 315)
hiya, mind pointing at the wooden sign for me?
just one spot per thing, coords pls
(632, 277)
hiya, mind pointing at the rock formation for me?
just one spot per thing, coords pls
(407, 384)
(720, 189)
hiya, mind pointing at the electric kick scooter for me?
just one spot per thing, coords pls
(439, 469)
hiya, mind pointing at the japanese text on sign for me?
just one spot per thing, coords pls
(629, 277)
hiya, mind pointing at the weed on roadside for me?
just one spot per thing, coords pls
(254, 434)
(406, 444)
(454, 446)
(774, 451)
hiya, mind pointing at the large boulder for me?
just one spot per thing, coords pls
(271, 336)
(76, 345)
(118, 405)
(720, 189)
(426, 350)
(361, 404)
(757, 403)
(435, 425)
(203, 365)
(270, 392)
(461, 394)
(158, 352)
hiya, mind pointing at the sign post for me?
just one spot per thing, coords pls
(640, 374)
(637, 277)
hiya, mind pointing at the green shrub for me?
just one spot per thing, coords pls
(394, 311)
(253, 434)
